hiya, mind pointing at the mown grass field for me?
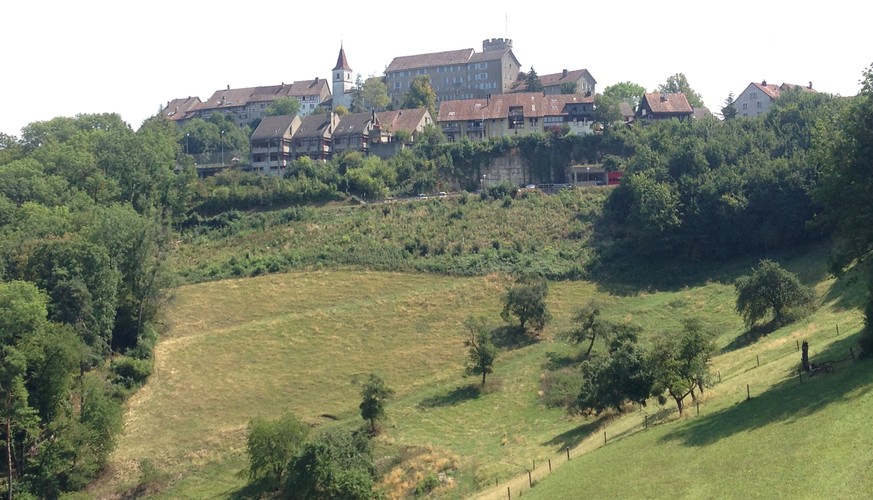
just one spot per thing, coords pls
(298, 342)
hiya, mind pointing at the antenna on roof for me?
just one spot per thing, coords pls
(506, 23)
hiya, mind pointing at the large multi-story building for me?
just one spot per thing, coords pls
(515, 114)
(457, 74)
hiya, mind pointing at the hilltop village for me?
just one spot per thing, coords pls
(473, 95)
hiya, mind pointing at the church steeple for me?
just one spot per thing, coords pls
(341, 61)
(342, 80)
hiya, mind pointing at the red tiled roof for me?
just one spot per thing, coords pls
(177, 109)
(769, 90)
(534, 104)
(430, 60)
(402, 119)
(553, 79)
(240, 97)
(668, 103)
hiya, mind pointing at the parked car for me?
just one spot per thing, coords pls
(422, 196)
(442, 194)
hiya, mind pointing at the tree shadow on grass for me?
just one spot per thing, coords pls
(259, 488)
(555, 361)
(511, 337)
(571, 438)
(750, 336)
(786, 401)
(454, 397)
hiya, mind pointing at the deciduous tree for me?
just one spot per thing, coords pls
(678, 83)
(526, 301)
(272, 445)
(374, 396)
(480, 349)
(770, 289)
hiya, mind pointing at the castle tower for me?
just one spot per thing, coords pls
(342, 81)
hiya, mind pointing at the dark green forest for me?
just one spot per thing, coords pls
(92, 212)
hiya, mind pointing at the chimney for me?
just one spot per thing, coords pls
(663, 97)
(228, 87)
(764, 83)
(810, 85)
(316, 79)
(565, 73)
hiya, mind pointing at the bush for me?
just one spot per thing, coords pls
(131, 372)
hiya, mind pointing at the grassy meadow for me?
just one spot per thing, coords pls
(302, 342)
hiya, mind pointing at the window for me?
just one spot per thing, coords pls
(753, 95)
(745, 106)
(760, 105)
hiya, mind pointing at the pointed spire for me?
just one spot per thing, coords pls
(341, 61)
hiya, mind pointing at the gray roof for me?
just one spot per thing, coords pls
(431, 60)
(314, 125)
(273, 126)
(353, 124)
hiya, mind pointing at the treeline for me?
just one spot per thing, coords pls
(85, 206)
(706, 190)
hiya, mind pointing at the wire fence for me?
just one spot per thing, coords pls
(614, 429)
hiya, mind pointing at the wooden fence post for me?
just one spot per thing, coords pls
(797, 342)
(550, 465)
(508, 493)
(647, 421)
(800, 375)
(748, 393)
(529, 479)
(758, 360)
(719, 376)
(604, 437)
(852, 353)
(698, 408)
(568, 453)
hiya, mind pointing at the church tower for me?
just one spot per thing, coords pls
(342, 81)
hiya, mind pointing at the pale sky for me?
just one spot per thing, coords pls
(62, 58)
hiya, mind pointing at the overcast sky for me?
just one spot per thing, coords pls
(62, 58)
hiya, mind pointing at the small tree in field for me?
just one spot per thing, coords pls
(271, 444)
(771, 289)
(588, 326)
(374, 395)
(526, 301)
(679, 362)
(481, 352)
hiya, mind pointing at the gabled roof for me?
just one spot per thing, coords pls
(791, 86)
(701, 113)
(461, 110)
(308, 87)
(240, 97)
(341, 61)
(625, 109)
(554, 79)
(430, 60)
(177, 109)
(493, 55)
(770, 90)
(532, 104)
(314, 125)
(353, 124)
(668, 103)
(274, 126)
(401, 119)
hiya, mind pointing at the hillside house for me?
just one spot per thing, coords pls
(757, 98)
(314, 136)
(515, 114)
(660, 106)
(553, 83)
(272, 143)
